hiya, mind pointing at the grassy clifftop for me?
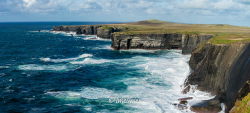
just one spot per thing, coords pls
(242, 106)
(223, 34)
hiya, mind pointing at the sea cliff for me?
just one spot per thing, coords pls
(184, 41)
(221, 69)
(99, 30)
(220, 54)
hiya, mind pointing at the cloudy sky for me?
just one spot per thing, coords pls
(236, 12)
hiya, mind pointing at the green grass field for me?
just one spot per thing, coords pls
(223, 34)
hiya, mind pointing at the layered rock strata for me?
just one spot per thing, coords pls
(186, 42)
(99, 30)
(221, 69)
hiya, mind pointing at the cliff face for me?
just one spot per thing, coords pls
(147, 41)
(242, 104)
(221, 70)
(186, 42)
(190, 42)
(98, 30)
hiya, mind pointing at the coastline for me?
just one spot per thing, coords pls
(200, 48)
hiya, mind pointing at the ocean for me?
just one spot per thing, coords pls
(55, 72)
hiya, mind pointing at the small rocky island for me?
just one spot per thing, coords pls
(220, 55)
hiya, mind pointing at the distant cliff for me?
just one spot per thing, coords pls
(185, 42)
(220, 54)
(99, 30)
(221, 69)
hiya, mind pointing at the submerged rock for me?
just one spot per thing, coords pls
(181, 106)
(183, 103)
(185, 99)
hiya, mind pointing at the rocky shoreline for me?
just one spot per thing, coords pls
(99, 30)
(185, 42)
(221, 69)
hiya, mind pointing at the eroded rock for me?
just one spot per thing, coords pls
(207, 106)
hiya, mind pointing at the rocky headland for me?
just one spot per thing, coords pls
(220, 55)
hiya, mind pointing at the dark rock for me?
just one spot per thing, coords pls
(186, 89)
(183, 102)
(221, 70)
(66, 28)
(186, 42)
(146, 41)
(158, 41)
(98, 30)
(185, 99)
(105, 33)
(181, 106)
(191, 41)
(244, 90)
(207, 106)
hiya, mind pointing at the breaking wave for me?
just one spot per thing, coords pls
(36, 67)
(66, 59)
(93, 37)
(91, 61)
(157, 91)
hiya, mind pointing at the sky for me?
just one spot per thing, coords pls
(234, 12)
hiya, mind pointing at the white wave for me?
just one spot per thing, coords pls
(157, 91)
(86, 92)
(103, 47)
(223, 108)
(4, 67)
(45, 31)
(70, 33)
(94, 37)
(170, 70)
(90, 61)
(36, 67)
(74, 34)
(139, 51)
(163, 85)
(66, 59)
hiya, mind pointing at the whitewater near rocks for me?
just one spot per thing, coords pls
(82, 73)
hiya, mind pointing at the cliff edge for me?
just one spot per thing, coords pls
(220, 54)
(221, 69)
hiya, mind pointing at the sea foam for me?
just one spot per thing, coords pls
(90, 61)
(157, 91)
(4, 67)
(86, 92)
(94, 37)
(36, 67)
(66, 59)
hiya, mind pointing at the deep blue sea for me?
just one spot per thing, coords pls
(54, 72)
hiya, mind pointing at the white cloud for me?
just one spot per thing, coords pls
(195, 4)
(132, 7)
(28, 3)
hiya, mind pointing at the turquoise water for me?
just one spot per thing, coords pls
(55, 72)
